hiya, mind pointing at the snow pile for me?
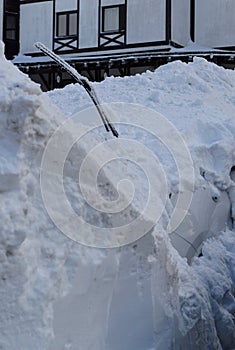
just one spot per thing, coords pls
(57, 294)
(31, 265)
(196, 303)
(196, 97)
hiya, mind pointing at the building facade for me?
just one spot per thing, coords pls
(73, 26)
(113, 37)
(214, 23)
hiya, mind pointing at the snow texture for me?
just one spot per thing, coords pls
(57, 294)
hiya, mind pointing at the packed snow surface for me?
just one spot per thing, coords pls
(57, 294)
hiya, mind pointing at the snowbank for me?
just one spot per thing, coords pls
(198, 99)
(31, 266)
(57, 294)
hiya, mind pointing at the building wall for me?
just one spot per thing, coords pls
(36, 24)
(215, 23)
(88, 24)
(112, 2)
(1, 19)
(142, 25)
(146, 22)
(180, 17)
(68, 5)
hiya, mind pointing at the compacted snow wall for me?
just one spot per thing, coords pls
(168, 303)
(26, 283)
(57, 294)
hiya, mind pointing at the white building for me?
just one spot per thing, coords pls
(89, 25)
(103, 36)
(215, 23)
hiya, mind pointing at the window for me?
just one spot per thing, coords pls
(11, 26)
(113, 19)
(11, 5)
(67, 24)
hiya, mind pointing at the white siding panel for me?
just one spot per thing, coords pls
(88, 24)
(180, 21)
(112, 2)
(215, 23)
(66, 5)
(146, 21)
(36, 23)
(1, 19)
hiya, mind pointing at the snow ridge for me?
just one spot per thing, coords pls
(59, 295)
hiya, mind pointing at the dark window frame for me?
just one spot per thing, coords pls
(13, 28)
(67, 14)
(122, 19)
(12, 6)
